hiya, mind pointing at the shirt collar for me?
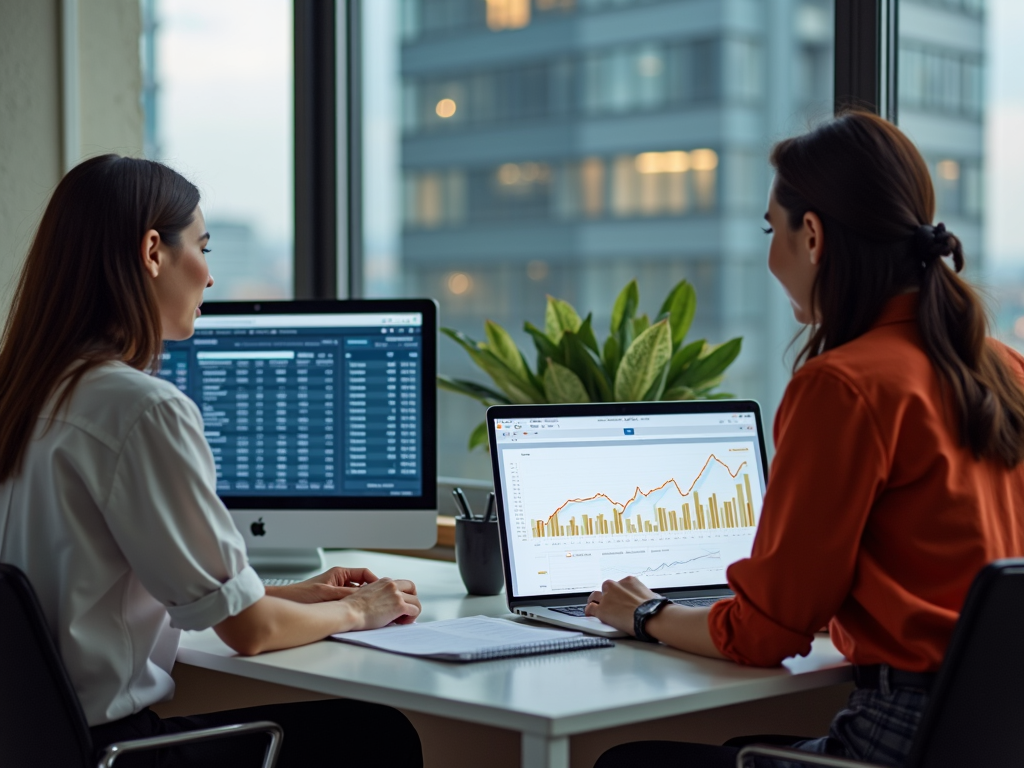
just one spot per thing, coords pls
(899, 309)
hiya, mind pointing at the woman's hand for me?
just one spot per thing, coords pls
(333, 584)
(676, 625)
(616, 602)
(379, 603)
(272, 623)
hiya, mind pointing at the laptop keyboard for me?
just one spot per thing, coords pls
(692, 602)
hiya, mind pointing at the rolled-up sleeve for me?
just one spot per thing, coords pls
(173, 529)
(829, 468)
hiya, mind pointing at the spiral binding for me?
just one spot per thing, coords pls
(529, 649)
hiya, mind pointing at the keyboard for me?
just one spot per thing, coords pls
(692, 602)
(279, 582)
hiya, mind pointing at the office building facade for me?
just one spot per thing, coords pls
(565, 147)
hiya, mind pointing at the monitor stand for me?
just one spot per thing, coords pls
(278, 562)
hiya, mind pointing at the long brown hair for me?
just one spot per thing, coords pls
(83, 294)
(871, 188)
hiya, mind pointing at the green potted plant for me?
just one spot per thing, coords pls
(640, 359)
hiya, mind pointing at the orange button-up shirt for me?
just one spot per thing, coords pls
(876, 517)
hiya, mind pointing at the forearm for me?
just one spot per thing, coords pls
(685, 629)
(272, 623)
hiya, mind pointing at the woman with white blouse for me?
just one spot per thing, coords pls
(108, 488)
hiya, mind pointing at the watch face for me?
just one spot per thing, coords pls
(652, 606)
(644, 611)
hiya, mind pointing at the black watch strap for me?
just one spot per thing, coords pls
(643, 614)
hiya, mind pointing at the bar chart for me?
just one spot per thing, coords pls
(671, 512)
(679, 507)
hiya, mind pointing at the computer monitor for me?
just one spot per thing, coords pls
(322, 419)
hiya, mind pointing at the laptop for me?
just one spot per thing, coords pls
(668, 492)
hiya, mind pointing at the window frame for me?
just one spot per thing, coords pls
(317, 222)
(866, 56)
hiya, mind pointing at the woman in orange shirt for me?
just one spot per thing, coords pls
(899, 441)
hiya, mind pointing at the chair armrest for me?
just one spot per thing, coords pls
(796, 756)
(203, 734)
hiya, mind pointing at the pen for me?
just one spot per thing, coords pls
(463, 502)
(490, 507)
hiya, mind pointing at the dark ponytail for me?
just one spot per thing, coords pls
(871, 188)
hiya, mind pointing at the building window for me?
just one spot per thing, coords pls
(609, 81)
(664, 183)
(745, 66)
(934, 80)
(958, 187)
(971, 7)
(430, 18)
(434, 199)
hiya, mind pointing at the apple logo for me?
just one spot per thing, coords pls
(258, 528)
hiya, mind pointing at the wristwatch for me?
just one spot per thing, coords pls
(643, 613)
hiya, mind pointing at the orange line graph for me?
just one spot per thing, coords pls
(637, 493)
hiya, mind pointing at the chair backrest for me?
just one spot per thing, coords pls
(976, 713)
(41, 720)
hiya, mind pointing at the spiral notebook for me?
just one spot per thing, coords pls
(476, 638)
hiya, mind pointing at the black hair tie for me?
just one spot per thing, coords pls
(930, 243)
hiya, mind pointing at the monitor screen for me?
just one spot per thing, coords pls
(671, 498)
(318, 408)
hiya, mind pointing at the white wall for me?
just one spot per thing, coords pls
(109, 118)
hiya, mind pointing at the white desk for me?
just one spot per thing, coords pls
(546, 698)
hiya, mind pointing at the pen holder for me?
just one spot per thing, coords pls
(478, 554)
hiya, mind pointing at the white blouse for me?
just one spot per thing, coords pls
(116, 521)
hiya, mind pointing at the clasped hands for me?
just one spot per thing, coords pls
(381, 601)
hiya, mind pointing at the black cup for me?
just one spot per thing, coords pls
(478, 553)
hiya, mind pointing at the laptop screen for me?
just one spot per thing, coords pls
(672, 499)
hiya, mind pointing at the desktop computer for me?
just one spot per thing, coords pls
(322, 419)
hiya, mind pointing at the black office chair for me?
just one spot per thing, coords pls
(41, 720)
(975, 715)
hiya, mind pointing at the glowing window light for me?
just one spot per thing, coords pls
(509, 174)
(459, 283)
(948, 170)
(507, 14)
(675, 161)
(445, 108)
(703, 159)
(649, 162)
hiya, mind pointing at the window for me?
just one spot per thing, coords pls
(979, 175)
(943, 81)
(518, 148)
(942, 108)
(624, 79)
(218, 98)
(659, 183)
(962, 101)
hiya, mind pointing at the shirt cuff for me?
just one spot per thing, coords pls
(230, 599)
(745, 635)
